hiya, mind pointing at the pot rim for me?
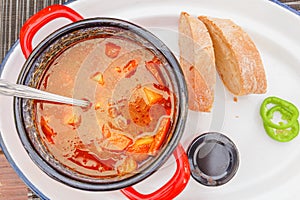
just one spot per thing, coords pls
(181, 96)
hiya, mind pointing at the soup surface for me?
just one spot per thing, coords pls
(130, 114)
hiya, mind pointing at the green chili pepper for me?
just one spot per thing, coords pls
(289, 107)
(282, 135)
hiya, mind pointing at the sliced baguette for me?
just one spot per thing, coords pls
(238, 61)
(198, 62)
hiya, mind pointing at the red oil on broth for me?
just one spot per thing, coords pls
(131, 107)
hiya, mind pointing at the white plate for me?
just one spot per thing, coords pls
(268, 169)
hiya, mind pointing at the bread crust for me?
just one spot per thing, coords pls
(198, 62)
(238, 60)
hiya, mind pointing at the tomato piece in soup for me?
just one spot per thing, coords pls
(127, 166)
(130, 68)
(153, 66)
(116, 142)
(139, 111)
(160, 136)
(152, 96)
(112, 50)
(74, 121)
(47, 130)
(141, 145)
(98, 77)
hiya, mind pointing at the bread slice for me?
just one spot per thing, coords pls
(198, 62)
(238, 61)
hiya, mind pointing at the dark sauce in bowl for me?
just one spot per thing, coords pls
(213, 159)
(131, 106)
(216, 162)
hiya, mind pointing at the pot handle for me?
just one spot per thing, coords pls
(37, 21)
(173, 187)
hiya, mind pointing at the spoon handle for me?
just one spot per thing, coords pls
(11, 89)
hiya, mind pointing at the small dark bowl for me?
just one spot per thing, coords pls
(213, 158)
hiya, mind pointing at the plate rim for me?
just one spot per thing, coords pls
(286, 7)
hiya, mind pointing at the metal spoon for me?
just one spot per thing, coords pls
(11, 89)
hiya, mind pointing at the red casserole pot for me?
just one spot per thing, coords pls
(32, 71)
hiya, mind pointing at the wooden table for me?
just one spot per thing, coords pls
(13, 13)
